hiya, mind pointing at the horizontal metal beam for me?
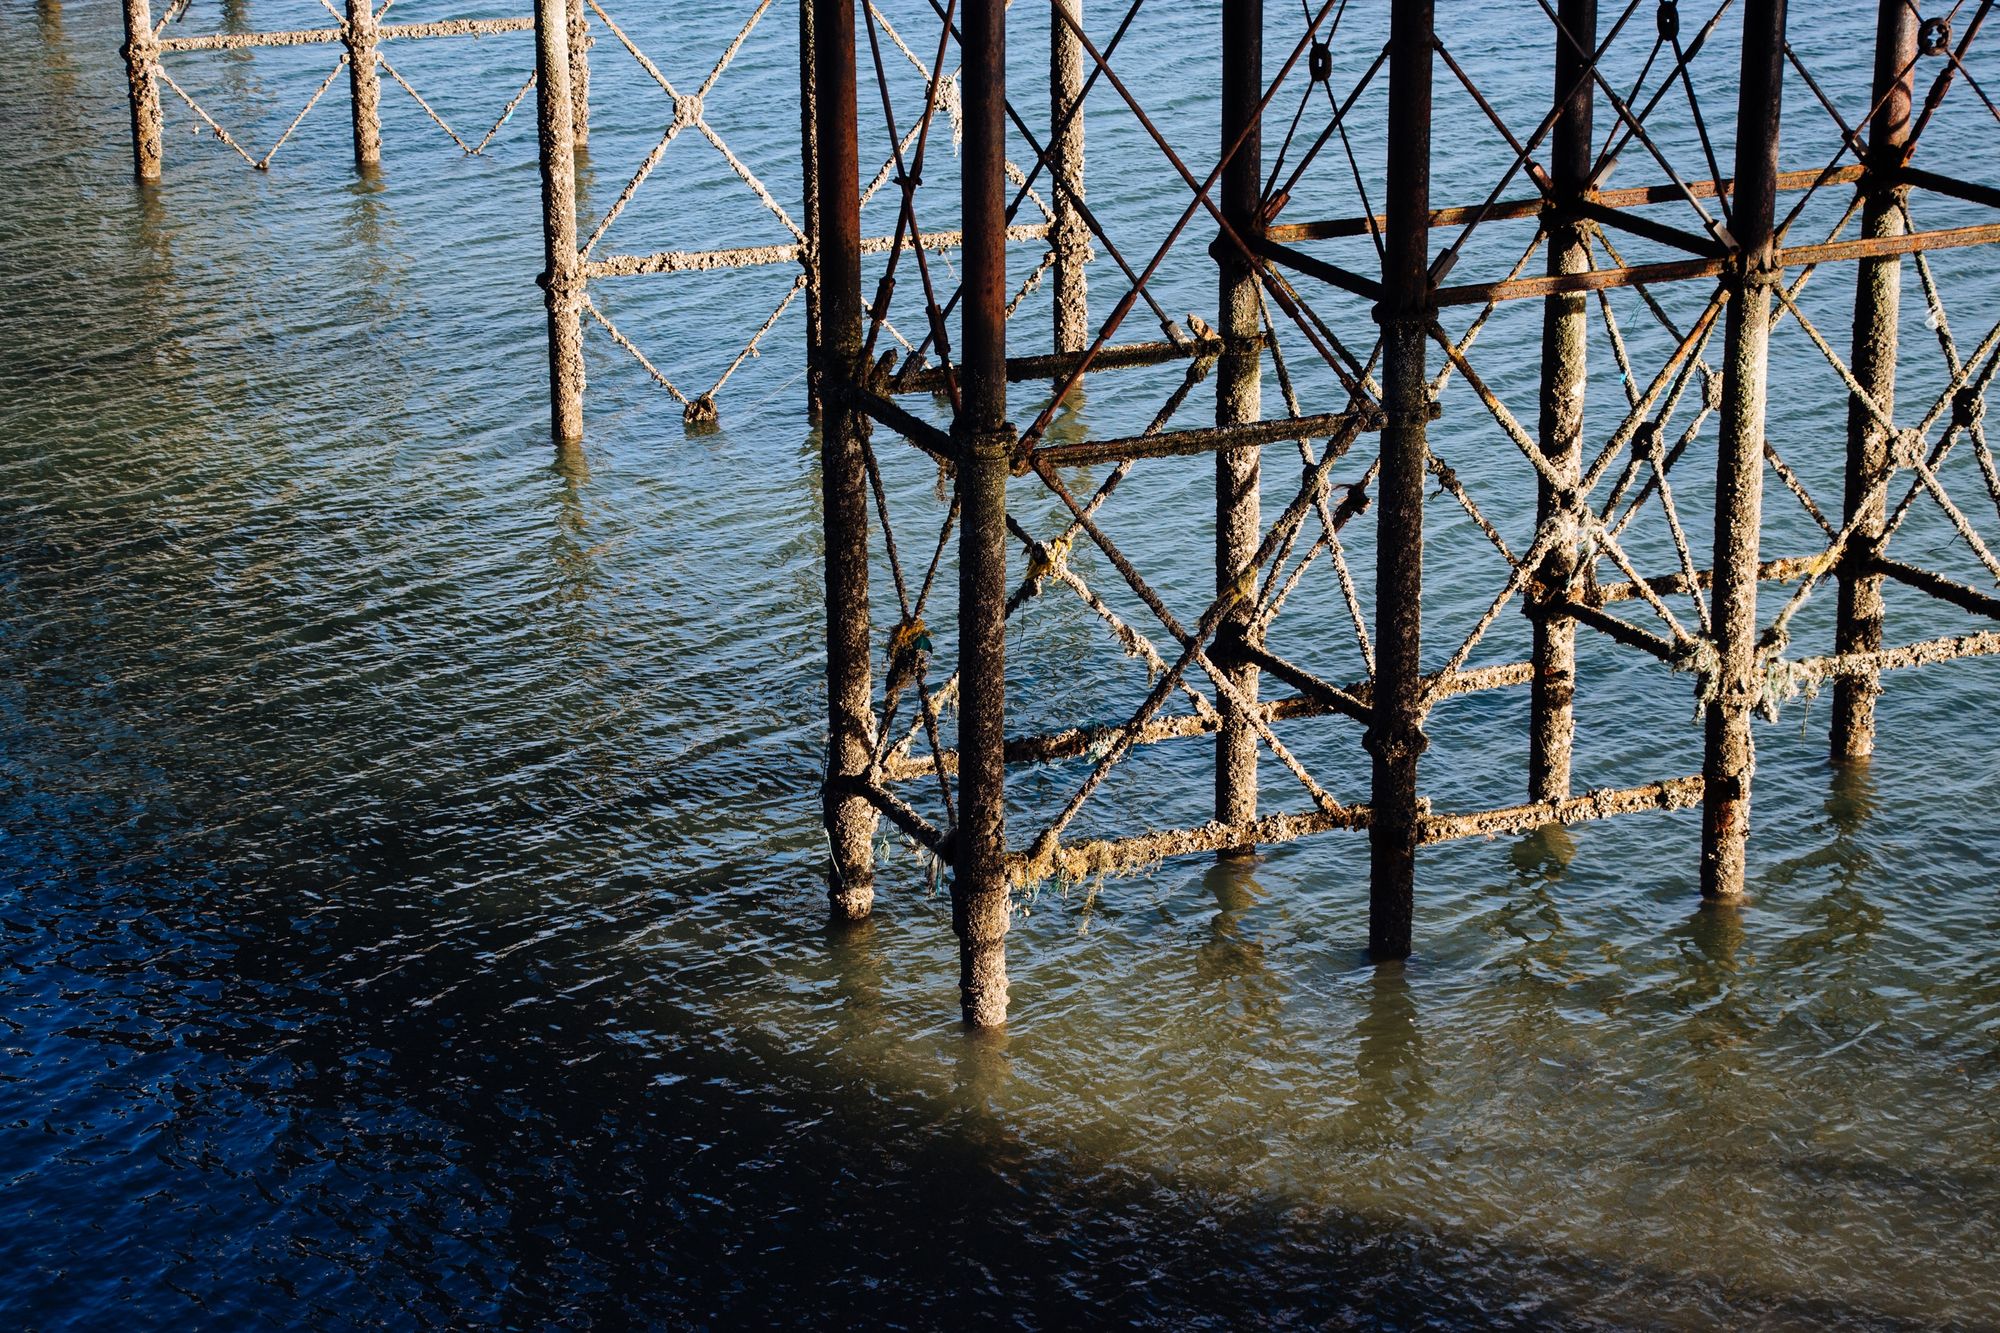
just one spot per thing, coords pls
(1201, 440)
(931, 379)
(1514, 209)
(238, 41)
(1680, 270)
(754, 256)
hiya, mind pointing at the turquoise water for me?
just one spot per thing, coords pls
(410, 889)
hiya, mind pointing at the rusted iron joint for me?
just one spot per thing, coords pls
(1395, 745)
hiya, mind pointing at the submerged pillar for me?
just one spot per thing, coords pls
(364, 82)
(850, 818)
(985, 440)
(140, 52)
(1565, 332)
(1730, 755)
(562, 278)
(1238, 398)
(1877, 295)
(1396, 735)
(1069, 235)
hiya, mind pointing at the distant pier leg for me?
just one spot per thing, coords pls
(980, 905)
(364, 81)
(850, 819)
(562, 278)
(141, 52)
(1238, 399)
(1877, 296)
(1730, 755)
(1565, 330)
(1069, 235)
(1396, 737)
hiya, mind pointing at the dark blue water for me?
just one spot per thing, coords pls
(410, 897)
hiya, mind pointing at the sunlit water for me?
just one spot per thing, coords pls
(410, 894)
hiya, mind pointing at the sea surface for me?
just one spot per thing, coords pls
(411, 883)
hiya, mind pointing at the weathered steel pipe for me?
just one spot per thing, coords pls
(1396, 740)
(562, 275)
(1565, 331)
(850, 820)
(1069, 236)
(1239, 399)
(1877, 296)
(140, 52)
(1730, 755)
(980, 906)
(364, 82)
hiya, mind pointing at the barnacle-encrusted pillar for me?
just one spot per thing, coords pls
(1730, 756)
(580, 42)
(1565, 330)
(1877, 295)
(1238, 398)
(1069, 235)
(562, 276)
(979, 884)
(364, 82)
(850, 818)
(809, 158)
(140, 52)
(1396, 735)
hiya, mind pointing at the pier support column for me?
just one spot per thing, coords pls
(1238, 398)
(1396, 737)
(980, 905)
(850, 819)
(1069, 235)
(562, 278)
(365, 83)
(580, 42)
(809, 157)
(141, 51)
(1730, 756)
(1565, 332)
(1877, 295)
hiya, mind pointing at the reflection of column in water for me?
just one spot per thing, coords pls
(49, 16)
(1850, 801)
(1544, 854)
(1227, 952)
(854, 948)
(1233, 957)
(1392, 1087)
(983, 1070)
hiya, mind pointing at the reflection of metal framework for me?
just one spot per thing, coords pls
(1588, 498)
(360, 33)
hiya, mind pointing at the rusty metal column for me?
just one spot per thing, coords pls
(1069, 235)
(562, 279)
(140, 52)
(364, 83)
(850, 819)
(985, 440)
(1396, 737)
(809, 160)
(1877, 296)
(1565, 330)
(1239, 398)
(580, 42)
(1739, 466)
